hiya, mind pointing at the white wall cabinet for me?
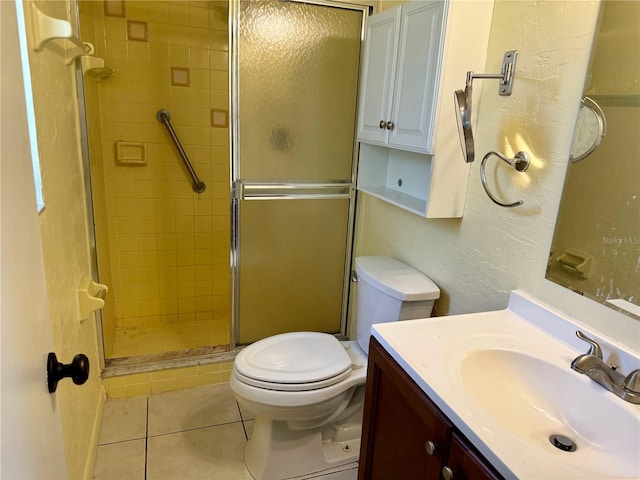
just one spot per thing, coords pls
(402, 55)
(381, 48)
(416, 55)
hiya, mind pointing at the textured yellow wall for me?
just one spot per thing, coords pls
(480, 258)
(168, 247)
(65, 245)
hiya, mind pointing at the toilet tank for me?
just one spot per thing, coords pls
(389, 290)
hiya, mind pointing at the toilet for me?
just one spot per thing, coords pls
(306, 389)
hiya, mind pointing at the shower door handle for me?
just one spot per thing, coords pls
(291, 191)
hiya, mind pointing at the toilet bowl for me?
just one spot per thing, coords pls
(301, 426)
(306, 389)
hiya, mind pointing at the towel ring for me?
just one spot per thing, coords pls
(520, 162)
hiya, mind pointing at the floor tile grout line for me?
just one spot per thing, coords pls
(120, 441)
(155, 435)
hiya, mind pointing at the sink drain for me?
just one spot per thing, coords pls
(563, 443)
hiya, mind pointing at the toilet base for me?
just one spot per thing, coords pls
(276, 452)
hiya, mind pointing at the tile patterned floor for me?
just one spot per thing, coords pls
(198, 433)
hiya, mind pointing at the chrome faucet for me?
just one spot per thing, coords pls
(593, 366)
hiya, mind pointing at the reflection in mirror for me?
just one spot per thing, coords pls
(591, 128)
(596, 245)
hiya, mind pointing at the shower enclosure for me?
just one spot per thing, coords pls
(296, 89)
(265, 117)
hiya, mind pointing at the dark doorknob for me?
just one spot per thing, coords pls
(78, 370)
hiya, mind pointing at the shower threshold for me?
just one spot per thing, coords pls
(115, 367)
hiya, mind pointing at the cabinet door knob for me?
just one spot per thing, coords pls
(382, 124)
(447, 473)
(390, 125)
(430, 447)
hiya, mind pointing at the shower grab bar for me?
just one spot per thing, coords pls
(198, 185)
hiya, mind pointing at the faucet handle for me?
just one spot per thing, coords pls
(632, 381)
(594, 348)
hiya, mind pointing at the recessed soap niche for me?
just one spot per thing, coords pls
(131, 154)
(397, 176)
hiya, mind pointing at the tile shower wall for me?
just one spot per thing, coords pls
(168, 246)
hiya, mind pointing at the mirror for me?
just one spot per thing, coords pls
(462, 101)
(596, 245)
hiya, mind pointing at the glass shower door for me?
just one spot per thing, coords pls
(295, 102)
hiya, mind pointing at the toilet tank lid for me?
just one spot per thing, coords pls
(396, 279)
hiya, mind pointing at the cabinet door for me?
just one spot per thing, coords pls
(380, 55)
(398, 422)
(417, 75)
(466, 464)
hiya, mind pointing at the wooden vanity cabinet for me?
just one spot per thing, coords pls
(405, 436)
(398, 422)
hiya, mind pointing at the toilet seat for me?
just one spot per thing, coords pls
(283, 405)
(291, 387)
(297, 361)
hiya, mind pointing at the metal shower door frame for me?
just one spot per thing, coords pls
(276, 190)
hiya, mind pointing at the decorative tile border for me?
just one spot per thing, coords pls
(137, 31)
(179, 77)
(114, 8)
(219, 118)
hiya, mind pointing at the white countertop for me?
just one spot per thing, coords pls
(432, 351)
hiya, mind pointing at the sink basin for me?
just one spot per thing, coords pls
(534, 399)
(504, 380)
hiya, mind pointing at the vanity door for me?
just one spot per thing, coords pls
(404, 434)
(464, 463)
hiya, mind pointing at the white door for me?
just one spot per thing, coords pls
(417, 73)
(31, 438)
(380, 53)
